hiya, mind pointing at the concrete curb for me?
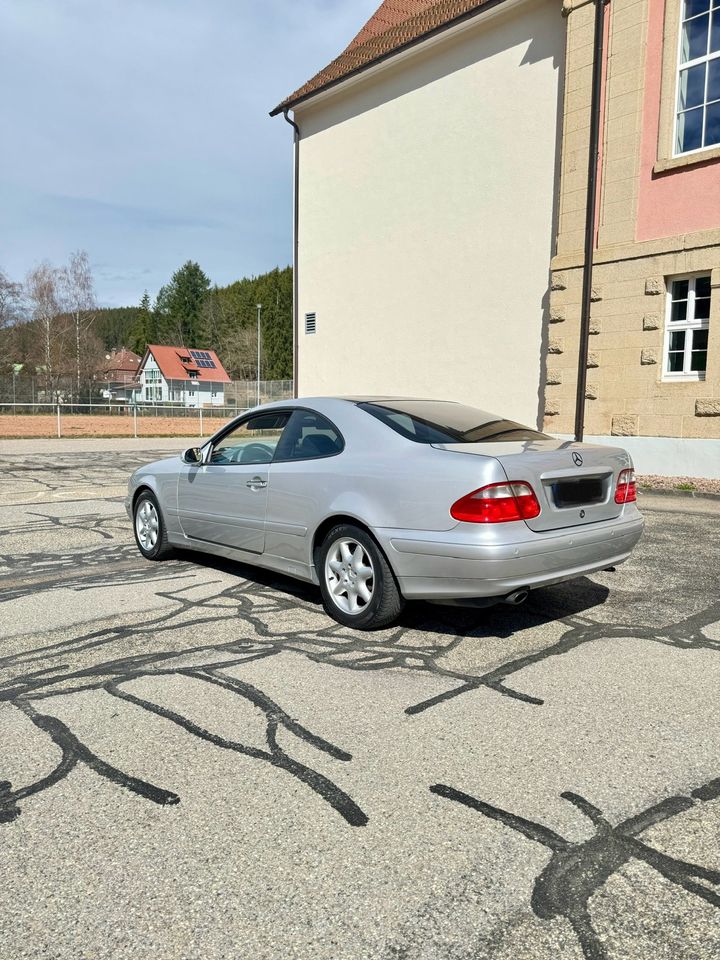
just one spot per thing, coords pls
(687, 494)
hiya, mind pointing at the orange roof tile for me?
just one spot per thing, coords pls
(121, 360)
(172, 367)
(389, 14)
(394, 25)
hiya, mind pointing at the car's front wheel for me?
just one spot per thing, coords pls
(357, 584)
(149, 527)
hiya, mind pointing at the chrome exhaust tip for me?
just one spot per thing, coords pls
(516, 598)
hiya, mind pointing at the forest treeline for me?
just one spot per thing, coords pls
(51, 326)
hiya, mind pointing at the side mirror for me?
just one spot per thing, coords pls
(193, 455)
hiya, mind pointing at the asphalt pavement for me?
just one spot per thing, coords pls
(195, 762)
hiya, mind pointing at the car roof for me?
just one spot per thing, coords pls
(325, 404)
(384, 399)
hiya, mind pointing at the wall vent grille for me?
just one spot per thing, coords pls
(310, 323)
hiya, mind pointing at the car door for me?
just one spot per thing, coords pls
(303, 482)
(223, 499)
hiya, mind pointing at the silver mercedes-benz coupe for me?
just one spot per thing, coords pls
(383, 500)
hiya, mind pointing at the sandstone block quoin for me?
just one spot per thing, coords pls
(651, 321)
(591, 391)
(556, 345)
(553, 377)
(624, 426)
(552, 408)
(593, 360)
(648, 356)
(654, 286)
(558, 281)
(594, 327)
(707, 408)
(557, 315)
(596, 294)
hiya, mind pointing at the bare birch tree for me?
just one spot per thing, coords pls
(10, 294)
(78, 296)
(239, 353)
(42, 292)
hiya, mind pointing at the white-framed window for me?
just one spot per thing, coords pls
(148, 393)
(686, 328)
(697, 116)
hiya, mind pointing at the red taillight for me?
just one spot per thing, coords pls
(497, 503)
(626, 491)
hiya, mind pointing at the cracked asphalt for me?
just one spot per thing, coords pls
(195, 762)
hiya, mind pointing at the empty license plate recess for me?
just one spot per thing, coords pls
(580, 492)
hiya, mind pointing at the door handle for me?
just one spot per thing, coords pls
(256, 483)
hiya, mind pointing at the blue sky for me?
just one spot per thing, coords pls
(138, 130)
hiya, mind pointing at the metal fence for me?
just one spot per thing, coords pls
(110, 419)
(244, 393)
(21, 389)
(94, 416)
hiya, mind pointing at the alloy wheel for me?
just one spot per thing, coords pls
(147, 525)
(349, 575)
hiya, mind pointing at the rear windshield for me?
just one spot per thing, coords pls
(437, 421)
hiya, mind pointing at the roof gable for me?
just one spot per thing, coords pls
(121, 359)
(394, 25)
(185, 363)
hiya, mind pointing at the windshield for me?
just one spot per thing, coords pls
(439, 421)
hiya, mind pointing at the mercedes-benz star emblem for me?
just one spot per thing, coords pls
(577, 459)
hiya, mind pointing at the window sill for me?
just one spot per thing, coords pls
(687, 160)
(683, 378)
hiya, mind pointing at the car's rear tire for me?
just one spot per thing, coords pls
(149, 528)
(357, 585)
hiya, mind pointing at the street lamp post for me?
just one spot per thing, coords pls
(16, 368)
(259, 310)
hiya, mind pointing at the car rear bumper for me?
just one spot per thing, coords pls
(434, 569)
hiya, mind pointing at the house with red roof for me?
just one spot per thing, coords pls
(180, 375)
(119, 366)
(118, 372)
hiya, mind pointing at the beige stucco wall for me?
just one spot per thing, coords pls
(426, 208)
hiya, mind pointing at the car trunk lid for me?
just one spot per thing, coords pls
(574, 482)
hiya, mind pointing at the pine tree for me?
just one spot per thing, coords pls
(185, 295)
(143, 330)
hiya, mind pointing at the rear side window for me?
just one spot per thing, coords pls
(437, 421)
(309, 436)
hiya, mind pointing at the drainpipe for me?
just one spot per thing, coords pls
(296, 219)
(590, 214)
